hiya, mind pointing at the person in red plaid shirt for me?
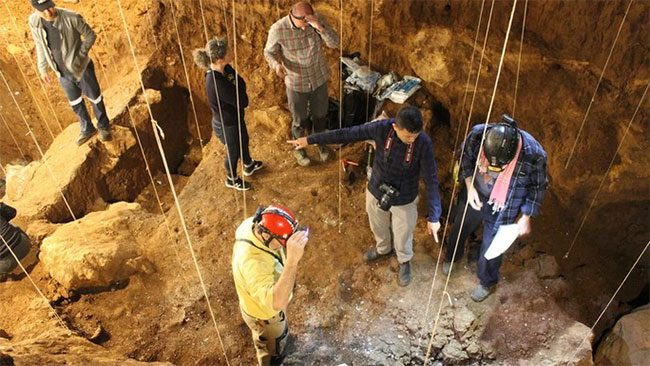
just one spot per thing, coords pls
(294, 51)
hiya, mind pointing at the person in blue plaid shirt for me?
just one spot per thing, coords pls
(404, 153)
(508, 188)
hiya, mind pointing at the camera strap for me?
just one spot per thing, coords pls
(388, 146)
(277, 257)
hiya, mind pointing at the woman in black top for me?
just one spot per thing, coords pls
(227, 109)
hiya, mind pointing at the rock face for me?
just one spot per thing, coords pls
(96, 251)
(55, 347)
(629, 341)
(88, 175)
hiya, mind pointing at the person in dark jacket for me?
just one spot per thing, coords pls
(404, 153)
(227, 97)
(13, 238)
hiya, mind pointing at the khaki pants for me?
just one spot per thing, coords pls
(394, 226)
(269, 337)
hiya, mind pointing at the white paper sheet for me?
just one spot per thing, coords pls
(506, 235)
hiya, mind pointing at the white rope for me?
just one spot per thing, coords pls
(602, 181)
(521, 46)
(12, 136)
(469, 75)
(171, 183)
(38, 146)
(239, 121)
(453, 193)
(2, 167)
(610, 301)
(56, 315)
(582, 125)
(36, 72)
(187, 75)
(340, 167)
(152, 30)
(372, 11)
(216, 90)
(496, 85)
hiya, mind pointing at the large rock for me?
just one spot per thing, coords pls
(88, 175)
(628, 344)
(97, 250)
(56, 347)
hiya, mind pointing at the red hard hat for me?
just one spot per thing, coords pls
(278, 221)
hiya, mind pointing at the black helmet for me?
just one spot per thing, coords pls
(501, 142)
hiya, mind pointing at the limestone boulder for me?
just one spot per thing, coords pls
(87, 176)
(56, 347)
(97, 250)
(628, 343)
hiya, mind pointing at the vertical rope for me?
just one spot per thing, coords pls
(521, 45)
(154, 127)
(187, 75)
(469, 75)
(372, 10)
(340, 166)
(602, 181)
(216, 90)
(239, 121)
(496, 85)
(582, 125)
(12, 136)
(36, 72)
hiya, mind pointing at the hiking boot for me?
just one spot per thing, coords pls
(85, 136)
(480, 293)
(446, 266)
(238, 184)
(323, 152)
(251, 168)
(372, 255)
(301, 157)
(105, 134)
(404, 274)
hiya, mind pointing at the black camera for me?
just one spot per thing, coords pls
(389, 194)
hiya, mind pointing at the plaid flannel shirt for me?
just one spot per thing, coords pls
(529, 181)
(301, 53)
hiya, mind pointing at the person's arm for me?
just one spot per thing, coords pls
(273, 52)
(226, 91)
(87, 34)
(468, 165)
(7, 212)
(536, 191)
(243, 95)
(327, 34)
(284, 287)
(41, 62)
(429, 172)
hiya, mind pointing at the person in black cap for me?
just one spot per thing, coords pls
(58, 37)
(508, 187)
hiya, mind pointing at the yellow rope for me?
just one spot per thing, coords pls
(496, 85)
(521, 46)
(187, 76)
(602, 181)
(154, 127)
(582, 125)
(12, 136)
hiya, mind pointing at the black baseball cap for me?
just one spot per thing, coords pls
(41, 5)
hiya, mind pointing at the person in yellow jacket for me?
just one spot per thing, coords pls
(267, 249)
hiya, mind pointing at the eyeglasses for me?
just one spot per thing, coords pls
(297, 17)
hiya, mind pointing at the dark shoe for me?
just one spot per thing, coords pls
(446, 266)
(105, 134)
(405, 273)
(301, 157)
(372, 255)
(323, 153)
(237, 184)
(251, 168)
(83, 137)
(480, 293)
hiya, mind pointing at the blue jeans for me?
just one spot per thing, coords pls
(88, 86)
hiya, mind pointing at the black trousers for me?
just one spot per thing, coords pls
(236, 148)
